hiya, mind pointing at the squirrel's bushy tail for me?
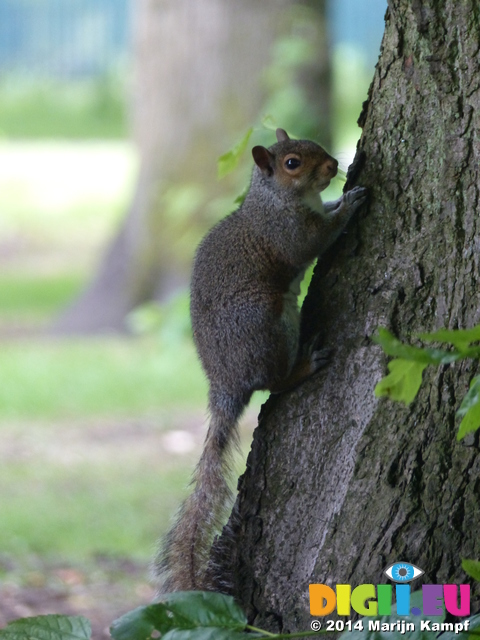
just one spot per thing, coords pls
(181, 564)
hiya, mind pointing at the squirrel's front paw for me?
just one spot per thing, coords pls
(355, 197)
(348, 203)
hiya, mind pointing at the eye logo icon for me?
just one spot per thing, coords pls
(402, 572)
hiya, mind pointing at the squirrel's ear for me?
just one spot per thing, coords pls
(282, 135)
(263, 159)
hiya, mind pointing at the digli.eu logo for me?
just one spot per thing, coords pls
(376, 600)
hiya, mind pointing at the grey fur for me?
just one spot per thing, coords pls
(246, 325)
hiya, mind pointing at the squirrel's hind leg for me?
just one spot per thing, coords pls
(308, 364)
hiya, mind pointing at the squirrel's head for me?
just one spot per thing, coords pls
(300, 165)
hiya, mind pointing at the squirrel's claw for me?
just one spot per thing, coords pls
(355, 196)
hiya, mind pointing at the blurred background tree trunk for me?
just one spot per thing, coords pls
(198, 84)
(339, 484)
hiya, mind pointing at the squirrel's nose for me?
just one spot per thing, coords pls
(332, 166)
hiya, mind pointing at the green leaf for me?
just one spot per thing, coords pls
(268, 122)
(470, 410)
(393, 347)
(207, 609)
(140, 623)
(464, 635)
(460, 338)
(474, 626)
(403, 381)
(470, 422)
(229, 160)
(472, 397)
(184, 610)
(241, 196)
(51, 627)
(472, 568)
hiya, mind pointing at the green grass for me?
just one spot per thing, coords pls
(34, 298)
(63, 196)
(66, 379)
(82, 109)
(80, 510)
(59, 203)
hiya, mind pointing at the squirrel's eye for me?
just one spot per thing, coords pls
(292, 163)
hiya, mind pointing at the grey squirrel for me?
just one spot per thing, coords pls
(246, 324)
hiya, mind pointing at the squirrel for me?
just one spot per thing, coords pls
(246, 324)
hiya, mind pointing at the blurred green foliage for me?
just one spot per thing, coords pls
(169, 321)
(76, 477)
(84, 109)
(294, 57)
(351, 79)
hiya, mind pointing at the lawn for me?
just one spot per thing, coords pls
(59, 202)
(41, 108)
(98, 434)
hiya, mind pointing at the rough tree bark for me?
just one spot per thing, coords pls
(197, 68)
(339, 484)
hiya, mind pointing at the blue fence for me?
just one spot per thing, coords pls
(63, 38)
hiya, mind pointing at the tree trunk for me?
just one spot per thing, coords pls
(198, 82)
(338, 484)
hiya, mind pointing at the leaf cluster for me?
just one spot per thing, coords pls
(194, 615)
(406, 369)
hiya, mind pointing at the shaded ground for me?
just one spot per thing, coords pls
(101, 592)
